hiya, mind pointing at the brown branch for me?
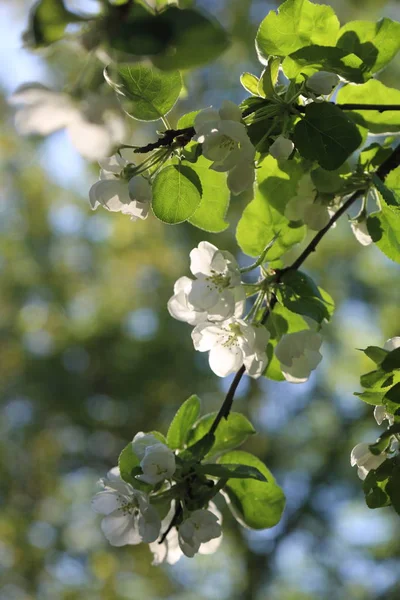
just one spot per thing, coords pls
(180, 137)
(356, 106)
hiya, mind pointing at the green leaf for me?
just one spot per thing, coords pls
(269, 77)
(375, 43)
(373, 156)
(176, 194)
(393, 395)
(376, 380)
(250, 83)
(326, 135)
(298, 23)
(231, 432)
(388, 195)
(187, 120)
(327, 182)
(47, 22)
(194, 39)
(375, 353)
(311, 59)
(391, 360)
(273, 369)
(374, 398)
(384, 229)
(150, 93)
(372, 92)
(199, 449)
(264, 217)
(231, 472)
(393, 488)
(182, 423)
(128, 462)
(255, 504)
(300, 295)
(210, 214)
(134, 30)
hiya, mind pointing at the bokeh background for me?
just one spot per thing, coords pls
(89, 356)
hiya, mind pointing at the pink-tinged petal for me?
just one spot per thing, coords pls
(224, 361)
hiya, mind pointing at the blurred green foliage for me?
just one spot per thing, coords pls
(89, 356)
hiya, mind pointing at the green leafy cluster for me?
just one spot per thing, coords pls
(382, 388)
(209, 463)
(382, 385)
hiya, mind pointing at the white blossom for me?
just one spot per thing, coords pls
(231, 344)
(118, 191)
(215, 293)
(362, 456)
(322, 83)
(170, 551)
(92, 124)
(306, 206)
(157, 461)
(360, 230)
(225, 142)
(129, 516)
(392, 344)
(298, 354)
(380, 415)
(201, 527)
(281, 148)
(142, 441)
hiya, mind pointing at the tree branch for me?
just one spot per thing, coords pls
(383, 170)
(181, 137)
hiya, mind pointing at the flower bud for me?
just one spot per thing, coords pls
(282, 148)
(322, 83)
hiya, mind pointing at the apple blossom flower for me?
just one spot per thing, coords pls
(281, 148)
(170, 551)
(156, 459)
(392, 344)
(380, 415)
(129, 516)
(362, 456)
(119, 191)
(360, 230)
(307, 206)
(215, 294)
(225, 142)
(201, 527)
(298, 354)
(231, 344)
(93, 124)
(322, 83)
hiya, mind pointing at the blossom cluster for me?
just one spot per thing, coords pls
(119, 189)
(214, 304)
(133, 512)
(361, 456)
(225, 142)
